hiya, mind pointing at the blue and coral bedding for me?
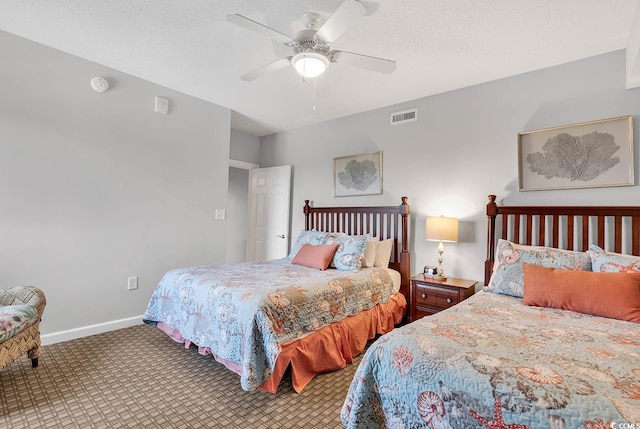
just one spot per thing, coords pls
(243, 313)
(493, 362)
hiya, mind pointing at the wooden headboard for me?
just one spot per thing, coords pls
(383, 222)
(613, 228)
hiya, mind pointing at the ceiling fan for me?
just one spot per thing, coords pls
(312, 47)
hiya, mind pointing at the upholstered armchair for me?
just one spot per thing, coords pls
(21, 309)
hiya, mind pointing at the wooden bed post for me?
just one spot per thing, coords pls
(405, 257)
(307, 212)
(492, 212)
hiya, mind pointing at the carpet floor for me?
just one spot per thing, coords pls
(139, 378)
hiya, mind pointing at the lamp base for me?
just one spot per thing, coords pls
(439, 277)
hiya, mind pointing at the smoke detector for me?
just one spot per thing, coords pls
(99, 84)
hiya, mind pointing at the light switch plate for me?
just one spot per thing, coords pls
(221, 214)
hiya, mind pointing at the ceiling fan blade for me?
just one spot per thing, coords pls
(256, 27)
(343, 18)
(276, 65)
(366, 62)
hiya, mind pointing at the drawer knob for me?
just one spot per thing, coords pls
(449, 300)
(424, 295)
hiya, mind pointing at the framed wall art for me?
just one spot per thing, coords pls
(585, 155)
(357, 175)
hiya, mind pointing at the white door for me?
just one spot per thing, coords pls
(269, 207)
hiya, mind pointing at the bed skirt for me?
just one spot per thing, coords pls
(334, 346)
(328, 349)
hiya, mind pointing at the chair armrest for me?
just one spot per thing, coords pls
(20, 295)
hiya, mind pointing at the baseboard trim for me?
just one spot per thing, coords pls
(85, 331)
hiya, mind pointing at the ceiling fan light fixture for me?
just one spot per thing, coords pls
(310, 64)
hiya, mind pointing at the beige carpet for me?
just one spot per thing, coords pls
(139, 378)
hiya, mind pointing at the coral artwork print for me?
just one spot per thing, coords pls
(358, 175)
(577, 158)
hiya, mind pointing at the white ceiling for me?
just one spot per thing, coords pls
(439, 45)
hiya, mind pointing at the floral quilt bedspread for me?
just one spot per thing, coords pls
(244, 312)
(492, 362)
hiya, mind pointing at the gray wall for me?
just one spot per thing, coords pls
(244, 147)
(462, 148)
(98, 187)
(237, 216)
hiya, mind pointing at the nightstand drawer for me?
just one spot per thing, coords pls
(436, 297)
(420, 312)
(429, 296)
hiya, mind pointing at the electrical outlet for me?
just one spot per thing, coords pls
(132, 283)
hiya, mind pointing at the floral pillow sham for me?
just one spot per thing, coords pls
(609, 262)
(311, 237)
(350, 251)
(507, 276)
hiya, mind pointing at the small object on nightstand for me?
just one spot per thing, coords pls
(429, 296)
(430, 271)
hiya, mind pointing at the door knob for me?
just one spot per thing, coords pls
(280, 236)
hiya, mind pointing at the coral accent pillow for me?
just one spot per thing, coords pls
(318, 256)
(613, 295)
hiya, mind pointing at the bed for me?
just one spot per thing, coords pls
(533, 349)
(261, 318)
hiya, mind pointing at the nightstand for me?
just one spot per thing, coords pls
(429, 296)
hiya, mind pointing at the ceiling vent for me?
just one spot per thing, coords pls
(404, 116)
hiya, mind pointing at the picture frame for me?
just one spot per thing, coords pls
(355, 175)
(591, 154)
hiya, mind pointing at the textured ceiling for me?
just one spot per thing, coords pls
(439, 45)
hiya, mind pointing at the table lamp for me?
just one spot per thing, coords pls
(441, 229)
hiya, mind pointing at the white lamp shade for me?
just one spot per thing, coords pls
(310, 64)
(442, 228)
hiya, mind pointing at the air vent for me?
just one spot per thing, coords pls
(403, 116)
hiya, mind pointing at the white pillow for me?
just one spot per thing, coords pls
(369, 257)
(377, 253)
(383, 253)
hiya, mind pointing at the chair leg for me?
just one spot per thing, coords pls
(34, 354)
